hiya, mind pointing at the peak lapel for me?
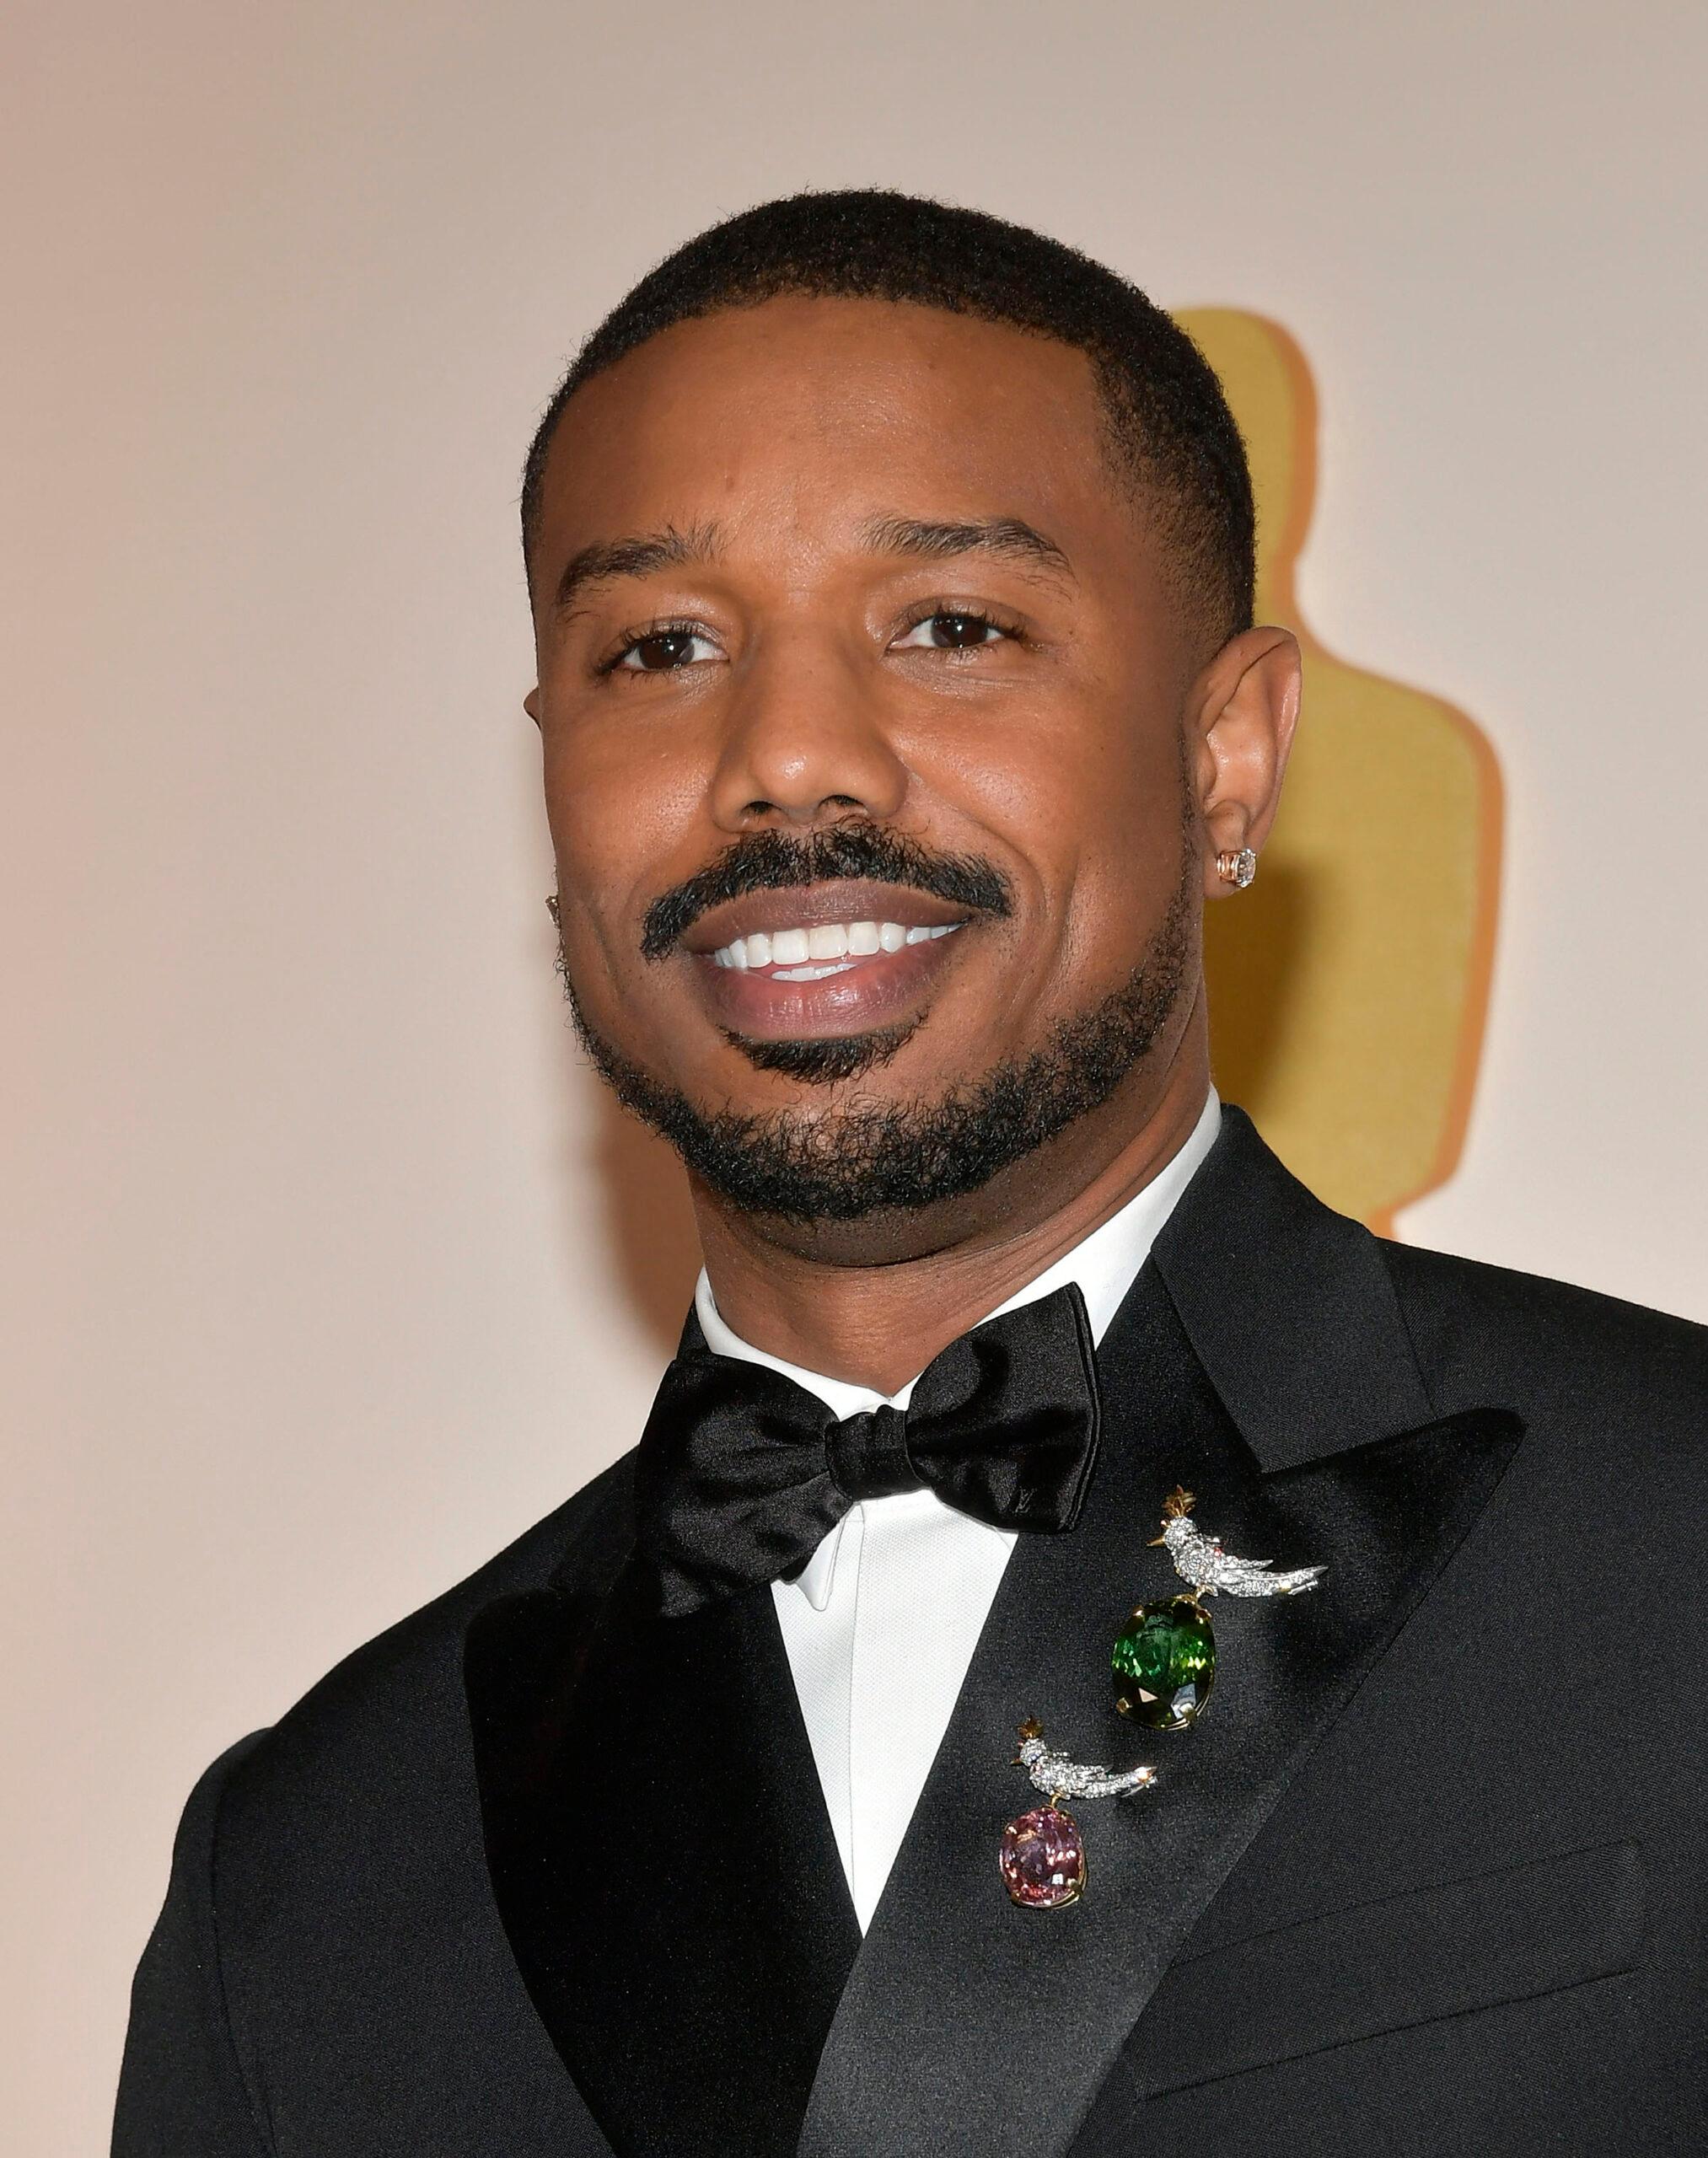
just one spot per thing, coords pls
(971, 2029)
(1289, 1307)
(660, 1853)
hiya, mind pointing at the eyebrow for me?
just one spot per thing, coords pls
(642, 554)
(645, 553)
(1010, 536)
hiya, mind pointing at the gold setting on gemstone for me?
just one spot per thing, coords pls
(1042, 1860)
(1164, 1664)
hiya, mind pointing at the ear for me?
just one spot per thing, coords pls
(1242, 714)
(530, 705)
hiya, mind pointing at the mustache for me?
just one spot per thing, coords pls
(770, 862)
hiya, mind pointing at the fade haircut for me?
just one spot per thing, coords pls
(1169, 429)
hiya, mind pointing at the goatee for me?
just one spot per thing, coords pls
(843, 1160)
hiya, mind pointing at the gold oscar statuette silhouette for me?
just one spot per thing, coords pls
(1348, 986)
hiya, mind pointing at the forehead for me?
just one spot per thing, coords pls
(813, 416)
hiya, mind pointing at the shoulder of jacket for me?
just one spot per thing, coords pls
(1499, 1329)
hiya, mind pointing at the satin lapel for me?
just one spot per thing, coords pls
(662, 1861)
(971, 2027)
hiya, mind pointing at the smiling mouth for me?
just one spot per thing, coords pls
(822, 962)
(826, 948)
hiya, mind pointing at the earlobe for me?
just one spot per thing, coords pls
(1248, 709)
(530, 704)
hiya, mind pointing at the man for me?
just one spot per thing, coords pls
(901, 700)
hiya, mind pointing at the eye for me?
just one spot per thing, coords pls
(657, 651)
(951, 629)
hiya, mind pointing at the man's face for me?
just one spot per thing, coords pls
(861, 698)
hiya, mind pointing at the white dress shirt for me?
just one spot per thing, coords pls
(882, 1623)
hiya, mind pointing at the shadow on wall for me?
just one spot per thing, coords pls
(1348, 986)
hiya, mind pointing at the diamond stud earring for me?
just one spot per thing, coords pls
(1237, 869)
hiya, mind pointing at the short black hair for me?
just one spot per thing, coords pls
(1168, 419)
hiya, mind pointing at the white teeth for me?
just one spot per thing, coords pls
(806, 974)
(829, 940)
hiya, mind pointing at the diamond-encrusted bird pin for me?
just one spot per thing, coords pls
(1164, 1657)
(1201, 1561)
(1058, 1777)
(1041, 1857)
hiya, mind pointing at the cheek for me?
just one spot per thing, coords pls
(1112, 817)
(617, 822)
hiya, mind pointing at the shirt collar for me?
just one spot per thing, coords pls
(1104, 1264)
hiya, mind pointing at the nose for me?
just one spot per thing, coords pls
(805, 744)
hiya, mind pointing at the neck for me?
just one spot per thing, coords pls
(876, 1317)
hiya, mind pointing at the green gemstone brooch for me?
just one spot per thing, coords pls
(1164, 1659)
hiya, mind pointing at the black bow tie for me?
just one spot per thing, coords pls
(742, 1474)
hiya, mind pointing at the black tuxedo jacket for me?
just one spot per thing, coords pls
(534, 1875)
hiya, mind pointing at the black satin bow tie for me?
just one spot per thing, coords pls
(742, 1474)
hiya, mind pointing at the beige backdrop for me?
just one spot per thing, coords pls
(312, 1293)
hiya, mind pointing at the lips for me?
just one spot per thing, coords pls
(821, 961)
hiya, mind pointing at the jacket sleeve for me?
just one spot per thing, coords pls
(182, 2091)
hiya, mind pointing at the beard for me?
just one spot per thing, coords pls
(844, 1161)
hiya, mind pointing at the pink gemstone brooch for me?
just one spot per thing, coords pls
(1042, 1854)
